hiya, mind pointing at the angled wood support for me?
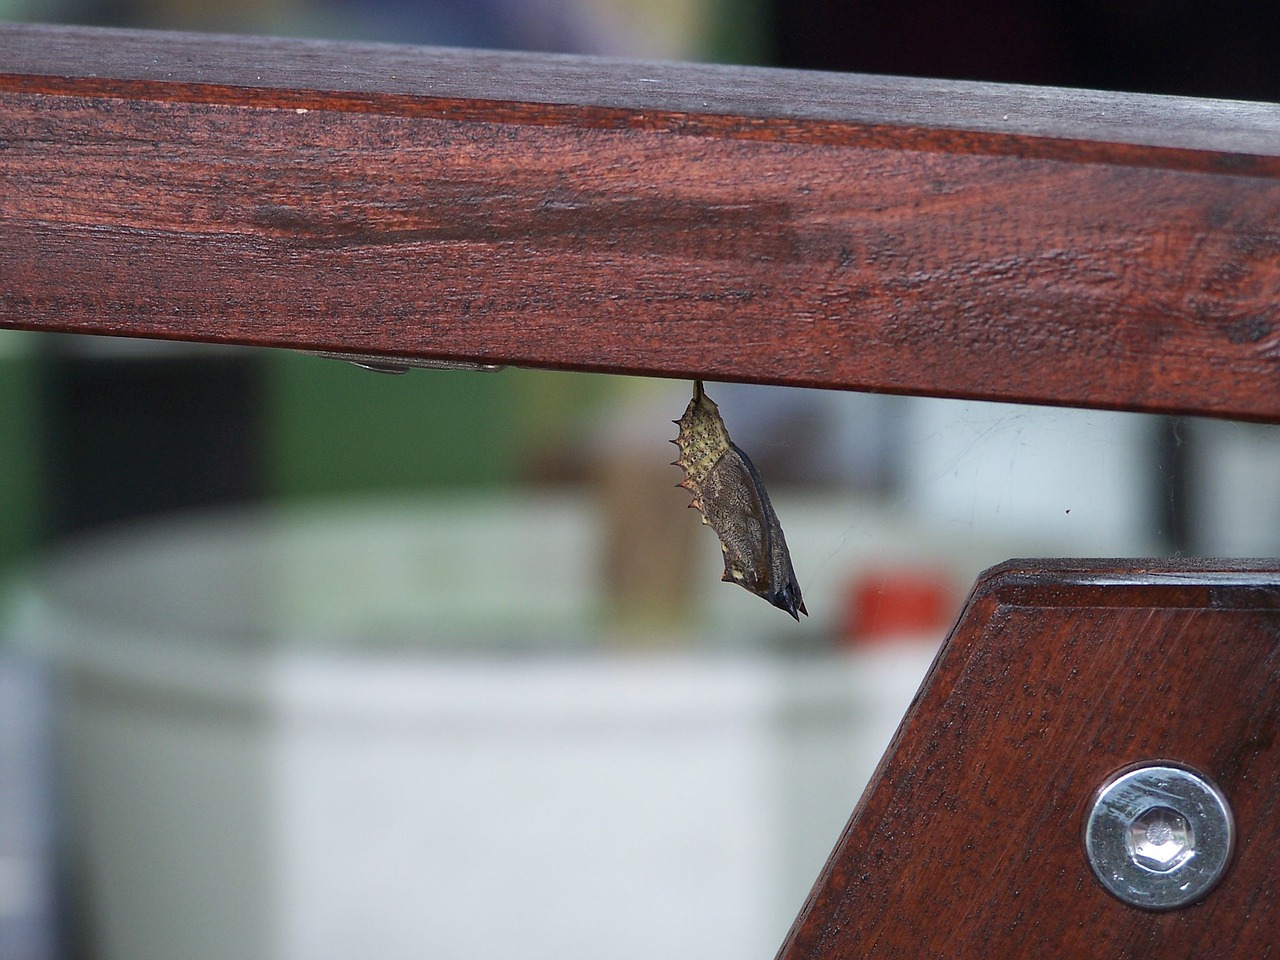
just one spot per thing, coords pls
(970, 842)
(951, 239)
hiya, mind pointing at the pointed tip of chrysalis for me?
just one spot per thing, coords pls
(789, 600)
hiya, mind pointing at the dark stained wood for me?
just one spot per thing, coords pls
(1059, 673)
(871, 233)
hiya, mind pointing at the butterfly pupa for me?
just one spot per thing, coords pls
(729, 493)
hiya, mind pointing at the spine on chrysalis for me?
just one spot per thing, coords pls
(703, 439)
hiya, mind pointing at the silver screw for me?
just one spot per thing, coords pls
(1160, 839)
(1159, 835)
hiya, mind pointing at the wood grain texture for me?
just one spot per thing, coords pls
(871, 233)
(969, 843)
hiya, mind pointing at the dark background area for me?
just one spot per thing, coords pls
(1186, 47)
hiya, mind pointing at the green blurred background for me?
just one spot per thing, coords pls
(20, 502)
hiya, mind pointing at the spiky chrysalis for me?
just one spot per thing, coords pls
(728, 491)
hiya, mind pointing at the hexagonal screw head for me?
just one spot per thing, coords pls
(1159, 835)
(1160, 839)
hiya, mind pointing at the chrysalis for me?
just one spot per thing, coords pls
(730, 494)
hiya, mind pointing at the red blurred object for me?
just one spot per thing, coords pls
(894, 603)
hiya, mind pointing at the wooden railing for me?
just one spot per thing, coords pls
(924, 237)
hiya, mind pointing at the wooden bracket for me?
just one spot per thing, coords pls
(968, 843)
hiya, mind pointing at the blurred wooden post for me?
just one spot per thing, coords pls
(867, 233)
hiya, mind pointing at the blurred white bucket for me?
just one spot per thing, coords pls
(389, 732)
